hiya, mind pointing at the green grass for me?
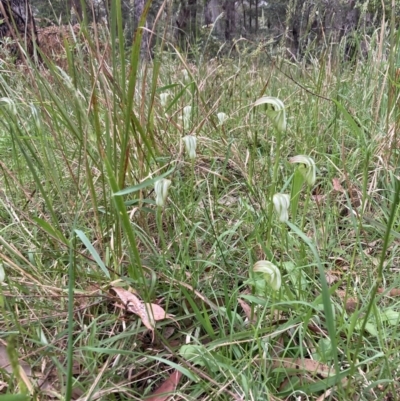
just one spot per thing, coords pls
(80, 152)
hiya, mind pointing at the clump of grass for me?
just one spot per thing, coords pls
(82, 150)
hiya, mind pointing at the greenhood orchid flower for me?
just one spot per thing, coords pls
(185, 74)
(161, 189)
(275, 110)
(2, 273)
(10, 103)
(281, 204)
(272, 275)
(307, 167)
(163, 98)
(187, 113)
(190, 144)
(222, 117)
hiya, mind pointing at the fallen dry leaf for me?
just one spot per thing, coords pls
(318, 198)
(331, 278)
(340, 262)
(351, 305)
(247, 311)
(149, 313)
(394, 292)
(341, 293)
(300, 366)
(158, 312)
(308, 365)
(325, 395)
(316, 329)
(44, 382)
(164, 391)
(25, 371)
(336, 185)
(133, 304)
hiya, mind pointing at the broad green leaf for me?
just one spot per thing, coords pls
(199, 355)
(391, 316)
(193, 354)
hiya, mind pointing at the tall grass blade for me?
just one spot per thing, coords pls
(92, 251)
(326, 299)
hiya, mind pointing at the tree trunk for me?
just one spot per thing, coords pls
(250, 14)
(256, 16)
(76, 11)
(212, 11)
(340, 20)
(17, 22)
(187, 23)
(230, 16)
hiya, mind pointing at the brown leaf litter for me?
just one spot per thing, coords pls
(149, 313)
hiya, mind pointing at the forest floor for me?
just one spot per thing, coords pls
(138, 262)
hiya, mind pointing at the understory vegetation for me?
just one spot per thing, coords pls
(89, 240)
